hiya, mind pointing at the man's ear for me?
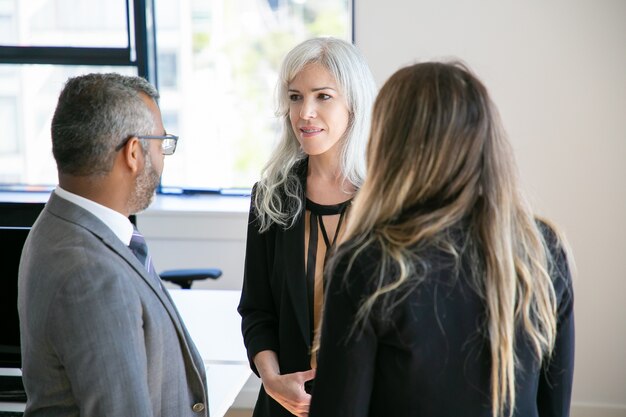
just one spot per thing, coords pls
(133, 154)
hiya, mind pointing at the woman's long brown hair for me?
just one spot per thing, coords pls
(437, 156)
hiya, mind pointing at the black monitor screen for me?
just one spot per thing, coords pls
(19, 214)
(16, 218)
(12, 242)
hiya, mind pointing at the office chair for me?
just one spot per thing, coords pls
(184, 278)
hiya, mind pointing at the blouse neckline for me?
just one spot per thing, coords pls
(327, 209)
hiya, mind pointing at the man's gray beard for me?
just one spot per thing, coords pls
(145, 186)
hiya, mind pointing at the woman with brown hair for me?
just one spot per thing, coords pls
(447, 296)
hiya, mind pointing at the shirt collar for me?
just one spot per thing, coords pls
(117, 222)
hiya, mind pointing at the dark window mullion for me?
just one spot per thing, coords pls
(59, 55)
(145, 40)
(143, 56)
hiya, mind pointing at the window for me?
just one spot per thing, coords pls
(42, 44)
(8, 115)
(227, 54)
(217, 63)
(72, 23)
(28, 96)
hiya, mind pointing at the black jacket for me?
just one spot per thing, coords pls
(274, 304)
(431, 356)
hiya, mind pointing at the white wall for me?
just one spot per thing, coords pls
(198, 232)
(557, 71)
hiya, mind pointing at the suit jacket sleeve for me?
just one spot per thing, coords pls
(95, 323)
(345, 373)
(555, 384)
(259, 323)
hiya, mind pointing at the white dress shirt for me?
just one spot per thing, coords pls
(117, 222)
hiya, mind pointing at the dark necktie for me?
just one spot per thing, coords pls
(140, 249)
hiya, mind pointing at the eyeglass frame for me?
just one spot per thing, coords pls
(165, 150)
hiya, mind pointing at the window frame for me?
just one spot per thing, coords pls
(140, 52)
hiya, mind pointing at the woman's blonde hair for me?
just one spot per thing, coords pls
(278, 195)
(437, 158)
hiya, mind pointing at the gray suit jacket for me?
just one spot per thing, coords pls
(99, 337)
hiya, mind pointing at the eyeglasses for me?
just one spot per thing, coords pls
(168, 144)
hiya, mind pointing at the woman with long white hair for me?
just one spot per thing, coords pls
(447, 296)
(299, 206)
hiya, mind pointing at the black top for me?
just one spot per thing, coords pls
(431, 357)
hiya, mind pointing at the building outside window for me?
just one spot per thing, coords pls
(217, 63)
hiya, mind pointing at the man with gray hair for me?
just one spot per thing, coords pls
(100, 335)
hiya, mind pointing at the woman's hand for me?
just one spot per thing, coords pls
(288, 389)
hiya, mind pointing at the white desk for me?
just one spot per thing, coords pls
(215, 327)
(213, 323)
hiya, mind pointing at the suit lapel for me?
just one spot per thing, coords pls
(295, 275)
(163, 296)
(77, 215)
(169, 305)
(188, 342)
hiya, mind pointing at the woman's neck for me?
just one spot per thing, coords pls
(325, 183)
(325, 166)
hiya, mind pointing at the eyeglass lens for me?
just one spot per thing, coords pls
(168, 146)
